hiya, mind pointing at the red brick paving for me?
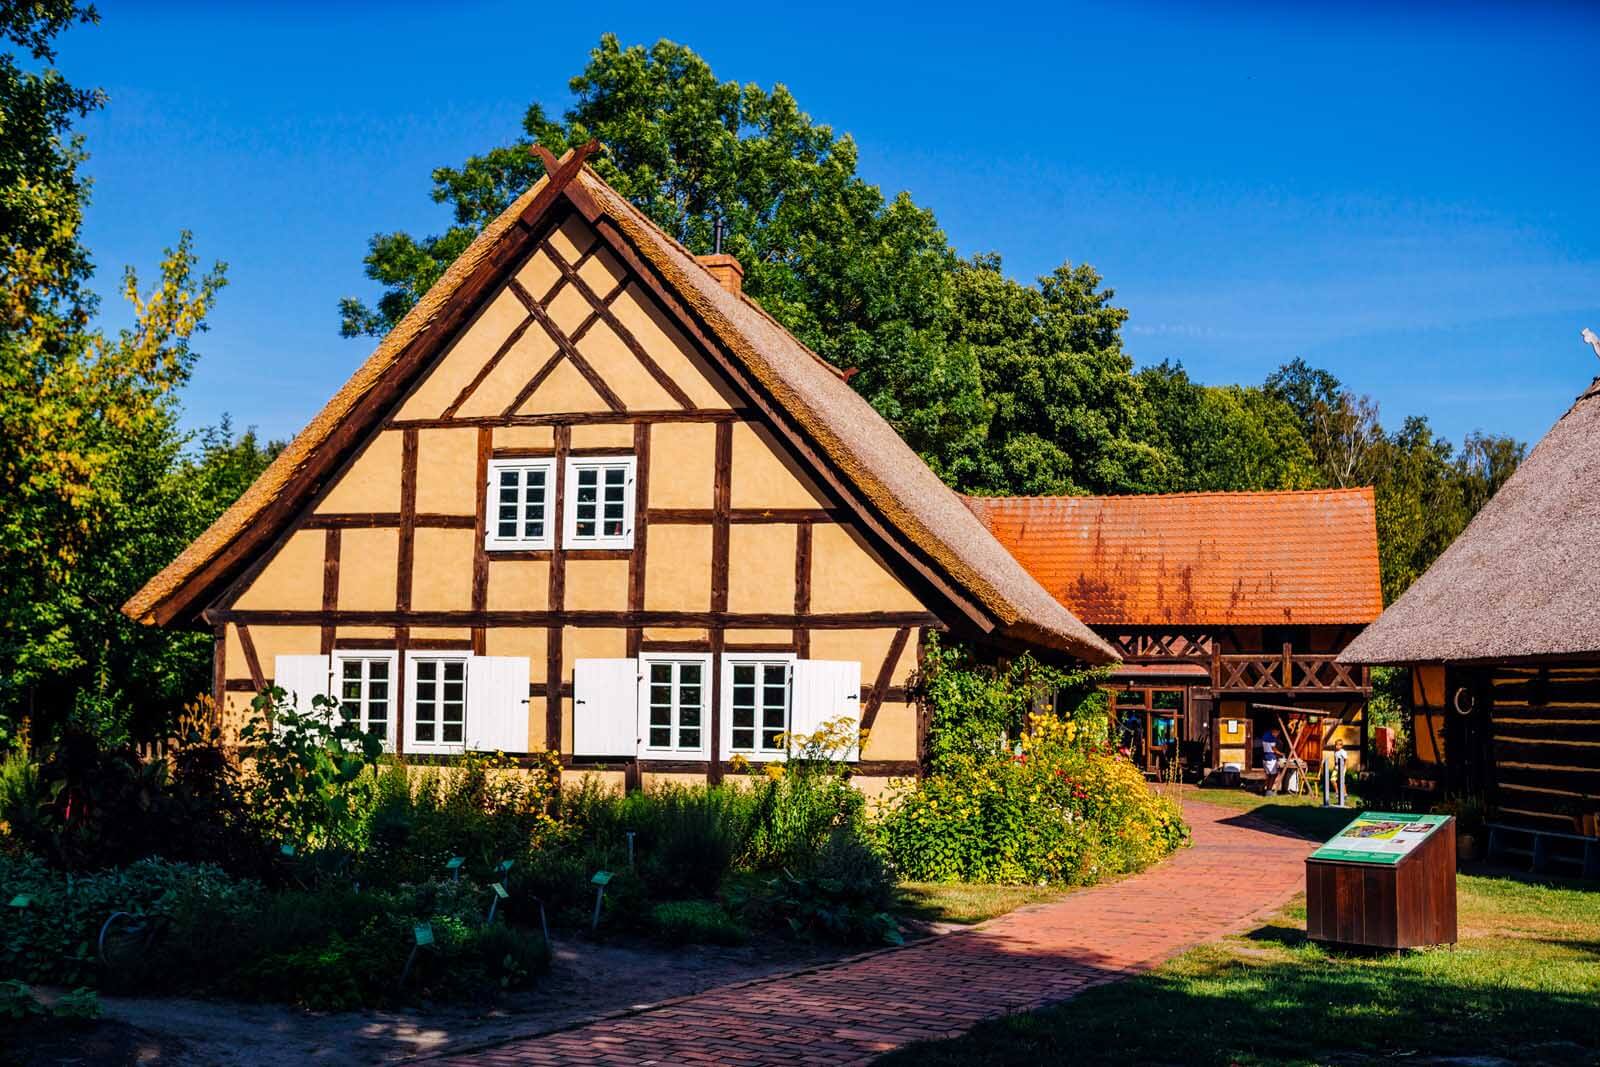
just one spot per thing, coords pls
(851, 1011)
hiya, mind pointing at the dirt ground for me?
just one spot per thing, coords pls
(585, 980)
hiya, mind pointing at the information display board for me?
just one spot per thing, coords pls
(1380, 837)
(1387, 880)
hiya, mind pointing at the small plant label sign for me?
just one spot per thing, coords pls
(504, 866)
(423, 932)
(454, 863)
(21, 900)
(287, 850)
(499, 890)
(601, 878)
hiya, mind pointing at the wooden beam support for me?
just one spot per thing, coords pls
(897, 647)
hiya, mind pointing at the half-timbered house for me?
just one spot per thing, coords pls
(1502, 635)
(1228, 610)
(587, 497)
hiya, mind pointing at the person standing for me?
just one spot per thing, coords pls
(1269, 760)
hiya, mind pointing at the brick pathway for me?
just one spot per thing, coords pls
(1239, 870)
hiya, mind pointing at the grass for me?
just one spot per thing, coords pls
(966, 902)
(1523, 986)
(1302, 814)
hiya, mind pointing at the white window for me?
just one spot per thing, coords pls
(438, 688)
(364, 684)
(672, 704)
(756, 703)
(519, 515)
(599, 502)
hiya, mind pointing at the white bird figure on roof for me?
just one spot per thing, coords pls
(1592, 340)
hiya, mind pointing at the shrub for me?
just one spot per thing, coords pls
(696, 922)
(794, 816)
(687, 838)
(311, 776)
(978, 708)
(415, 821)
(1058, 812)
(333, 948)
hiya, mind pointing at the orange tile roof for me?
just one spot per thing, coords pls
(1198, 558)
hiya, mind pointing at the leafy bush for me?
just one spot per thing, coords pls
(795, 815)
(979, 708)
(416, 820)
(696, 922)
(687, 838)
(311, 778)
(1058, 812)
(332, 948)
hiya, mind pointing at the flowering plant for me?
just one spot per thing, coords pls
(1059, 809)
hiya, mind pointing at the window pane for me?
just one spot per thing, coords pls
(689, 715)
(690, 673)
(379, 668)
(688, 738)
(744, 739)
(452, 733)
(660, 715)
(660, 672)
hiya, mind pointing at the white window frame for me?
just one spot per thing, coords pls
(438, 744)
(760, 660)
(569, 503)
(340, 658)
(650, 751)
(491, 522)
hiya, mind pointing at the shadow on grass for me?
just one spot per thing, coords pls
(1297, 820)
(1290, 1002)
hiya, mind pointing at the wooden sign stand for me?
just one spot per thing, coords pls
(1410, 903)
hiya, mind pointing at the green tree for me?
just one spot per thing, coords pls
(863, 280)
(1426, 491)
(1224, 437)
(1051, 360)
(88, 438)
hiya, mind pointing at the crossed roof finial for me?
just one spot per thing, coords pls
(580, 154)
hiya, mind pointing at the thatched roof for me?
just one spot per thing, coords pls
(849, 434)
(1198, 559)
(1523, 579)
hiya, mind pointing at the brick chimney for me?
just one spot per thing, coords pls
(725, 269)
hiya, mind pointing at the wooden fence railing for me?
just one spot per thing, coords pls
(1287, 671)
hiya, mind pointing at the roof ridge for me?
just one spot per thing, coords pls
(1350, 490)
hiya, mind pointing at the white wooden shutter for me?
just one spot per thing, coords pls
(302, 678)
(605, 707)
(497, 704)
(825, 690)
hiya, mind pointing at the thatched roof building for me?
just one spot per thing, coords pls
(1523, 580)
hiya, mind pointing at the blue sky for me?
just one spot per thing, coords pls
(1406, 198)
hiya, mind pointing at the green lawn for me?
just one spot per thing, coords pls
(1523, 986)
(1304, 815)
(963, 902)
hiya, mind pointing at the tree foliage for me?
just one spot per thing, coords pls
(98, 487)
(1001, 385)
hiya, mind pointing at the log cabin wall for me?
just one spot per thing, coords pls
(1543, 768)
(571, 370)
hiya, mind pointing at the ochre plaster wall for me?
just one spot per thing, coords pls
(368, 504)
